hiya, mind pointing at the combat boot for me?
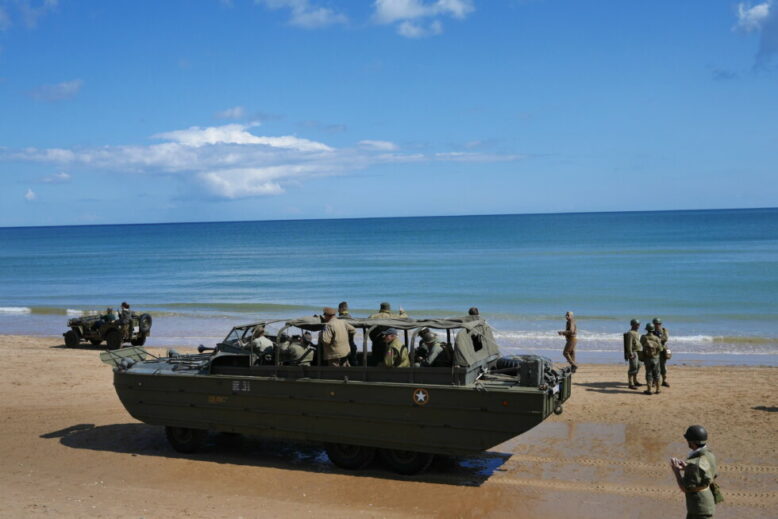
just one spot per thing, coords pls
(632, 382)
(648, 389)
(656, 387)
(664, 382)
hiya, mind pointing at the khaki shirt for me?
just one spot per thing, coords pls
(631, 343)
(699, 473)
(334, 339)
(663, 336)
(651, 346)
(396, 355)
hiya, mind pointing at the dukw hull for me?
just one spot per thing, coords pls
(440, 419)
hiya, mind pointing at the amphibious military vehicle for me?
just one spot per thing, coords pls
(115, 332)
(405, 415)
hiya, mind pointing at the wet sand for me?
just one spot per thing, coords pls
(69, 448)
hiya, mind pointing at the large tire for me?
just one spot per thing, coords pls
(184, 439)
(72, 340)
(406, 462)
(350, 457)
(113, 338)
(144, 324)
(140, 340)
(95, 342)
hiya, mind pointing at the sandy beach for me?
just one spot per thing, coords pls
(70, 449)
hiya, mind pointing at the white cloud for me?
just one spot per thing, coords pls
(305, 14)
(30, 195)
(409, 15)
(57, 92)
(762, 19)
(236, 112)
(752, 18)
(230, 162)
(377, 145)
(57, 178)
(26, 10)
(237, 134)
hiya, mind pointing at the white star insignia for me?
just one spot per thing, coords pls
(421, 396)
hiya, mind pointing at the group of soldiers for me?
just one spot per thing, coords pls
(125, 315)
(337, 347)
(651, 349)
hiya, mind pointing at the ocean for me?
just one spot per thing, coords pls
(712, 276)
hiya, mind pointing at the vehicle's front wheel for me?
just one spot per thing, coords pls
(140, 340)
(406, 462)
(144, 324)
(72, 339)
(350, 457)
(113, 338)
(184, 439)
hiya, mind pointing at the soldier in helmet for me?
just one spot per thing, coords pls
(696, 476)
(385, 312)
(431, 352)
(569, 333)
(343, 311)
(651, 348)
(259, 342)
(661, 332)
(631, 348)
(396, 355)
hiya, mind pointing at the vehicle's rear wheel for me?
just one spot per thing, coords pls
(95, 342)
(350, 456)
(113, 338)
(72, 339)
(406, 462)
(144, 324)
(184, 439)
(140, 340)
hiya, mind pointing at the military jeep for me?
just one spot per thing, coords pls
(96, 329)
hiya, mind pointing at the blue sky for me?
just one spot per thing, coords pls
(142, 111)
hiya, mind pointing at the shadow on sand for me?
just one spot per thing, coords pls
(772, 409)
(148, 440)
(610, 387)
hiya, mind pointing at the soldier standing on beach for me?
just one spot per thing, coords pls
(661, 332)
(343, 311)
(385, 312)
(569, 334)
(696, 476)
(651, 349)
(631, 348)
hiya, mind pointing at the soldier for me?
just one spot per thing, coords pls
(335, 339)
(308, 340)
(631, 348)
(696, 476)
(651, 349)
(294, 352)
(661, 332)
(569, 334)
(259, 342)
(431, 352)
(396, 355)
(385, 312)
(109, 315)
(473, 311)
(125, 315)
(343, 311)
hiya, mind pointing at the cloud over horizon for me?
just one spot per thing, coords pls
(761, 18)
(230, 162)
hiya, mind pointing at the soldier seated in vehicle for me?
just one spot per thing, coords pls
(108, 317)
(431, 352)
(396, 353)
(292, 352)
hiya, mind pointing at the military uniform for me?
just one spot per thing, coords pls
(663, 335)
(396, 355)
(699, 473)
(437, 354)
(631, 347)
(334, 340)
(295, 353)
(651, 349)
(571, 330)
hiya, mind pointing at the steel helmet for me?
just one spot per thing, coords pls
(649, 327)
(633, 322)
(657, 320)
(696, 434)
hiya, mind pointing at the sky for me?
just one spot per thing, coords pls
(145, 111)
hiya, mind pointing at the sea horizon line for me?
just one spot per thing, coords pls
(353, 218)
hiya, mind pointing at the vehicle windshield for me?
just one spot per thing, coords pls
(233, 339)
